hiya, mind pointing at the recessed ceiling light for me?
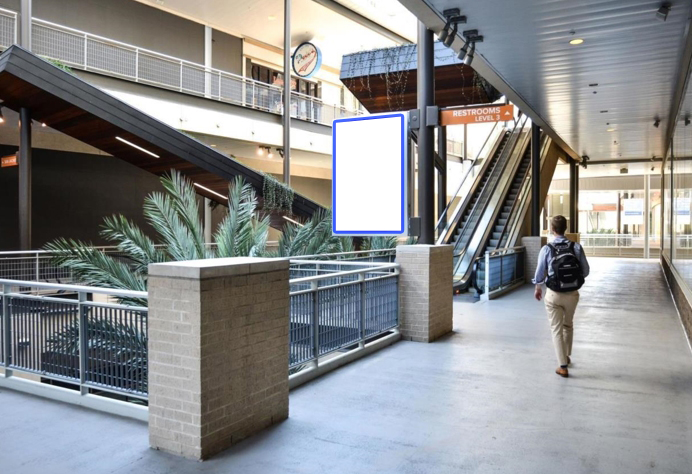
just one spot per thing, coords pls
(271, 17)
(137, 147)
(576, 41)
(43, 124)
(610, 130)
(213, 146)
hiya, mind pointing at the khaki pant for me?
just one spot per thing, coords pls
(561, 308)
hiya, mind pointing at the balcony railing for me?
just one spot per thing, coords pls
(93, 53)
(95, 339)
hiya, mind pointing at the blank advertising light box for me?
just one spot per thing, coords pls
(369, 175)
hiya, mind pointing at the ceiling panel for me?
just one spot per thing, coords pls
(334, 34)
(631, 55)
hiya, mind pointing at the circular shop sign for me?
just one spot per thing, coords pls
(307, 60)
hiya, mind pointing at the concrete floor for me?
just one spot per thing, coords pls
(484, 399)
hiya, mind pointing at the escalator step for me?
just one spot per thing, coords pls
(502, 221)
(504, 214)
(493, 242)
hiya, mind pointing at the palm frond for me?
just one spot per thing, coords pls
(312, 238)
(176, 237)
(243, 232)
(184, 200)
(92, 267)
(131, 241)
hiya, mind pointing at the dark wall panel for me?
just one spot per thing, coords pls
(72, 193)
(227, 52)
(127, 21)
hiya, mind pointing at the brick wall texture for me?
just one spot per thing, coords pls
(533, 247)
(425, 286)
(218, 359)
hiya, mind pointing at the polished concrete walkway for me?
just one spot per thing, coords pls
(484, 399)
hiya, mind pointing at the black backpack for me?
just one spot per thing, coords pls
(567, 272)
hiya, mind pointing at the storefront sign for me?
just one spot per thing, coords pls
(484, 114)
(307, 60)
(7, 161)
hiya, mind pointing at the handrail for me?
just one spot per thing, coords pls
(85, 36)
(77, 288)
(508, 155)
(443, 217)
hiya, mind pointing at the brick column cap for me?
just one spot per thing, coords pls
(217, 267)
(419, 247)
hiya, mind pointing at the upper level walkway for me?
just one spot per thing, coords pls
(484, 399)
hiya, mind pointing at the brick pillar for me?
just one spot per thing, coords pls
(218, 352)
(574, 237)
(533, 246)
(425, 286)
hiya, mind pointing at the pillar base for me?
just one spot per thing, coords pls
(425, 286)
(218, 352)
(533, 246)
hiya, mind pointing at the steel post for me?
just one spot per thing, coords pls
(572, 196)
(442, 174)
(426, 139)
(24, 178)
(287, 93)
(535, 180)
(25, 16)
(645, 214)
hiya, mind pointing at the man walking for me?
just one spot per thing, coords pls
(562, 266)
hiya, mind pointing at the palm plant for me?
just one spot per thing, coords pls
(174, 215)
(314, 237)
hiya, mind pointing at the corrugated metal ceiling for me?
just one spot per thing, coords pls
(631, 55)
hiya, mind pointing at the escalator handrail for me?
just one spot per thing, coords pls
(506, 153)
(463, 180)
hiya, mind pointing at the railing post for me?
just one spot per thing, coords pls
(82, 343)
(314, 286)
(363, 306)
(6, 327)
(37, 268)
(487, 274)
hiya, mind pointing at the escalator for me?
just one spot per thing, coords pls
(473, 231)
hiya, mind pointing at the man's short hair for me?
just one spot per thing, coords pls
(558, 224)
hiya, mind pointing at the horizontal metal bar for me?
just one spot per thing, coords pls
(333, 275)
(347, 283)
(76, 288)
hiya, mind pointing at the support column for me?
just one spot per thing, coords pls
(576, 198)
(645, 213)
(25, 16)
(218, 352)
(426, 139)
(24, 157)
(535, 180)
(442, 174)
(573, 212)
(532, 245)
(287, 92)
(208, 47)
(425, 289)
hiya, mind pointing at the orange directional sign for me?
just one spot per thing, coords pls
(9, 160)
(483, 114)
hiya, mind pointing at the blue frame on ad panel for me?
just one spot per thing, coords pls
(403, 230)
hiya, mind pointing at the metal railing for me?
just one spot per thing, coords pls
(382, 256)
(82, 50)
(499, 270)
(95, 339)
(338, 306)
(62, 333)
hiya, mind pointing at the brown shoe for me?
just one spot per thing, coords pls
(562, 372)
